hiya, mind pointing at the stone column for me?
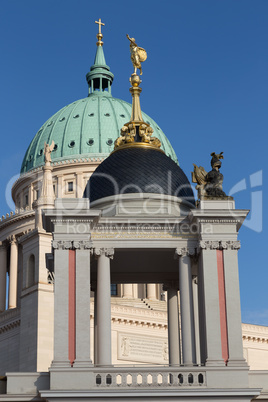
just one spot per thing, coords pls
(95, 326)
(186, 302)
(173, 324)
(61, 309)
(151, 291)
(3, 271)
(232, 296)
(196, 319)
(79, 185)
(135, 290)
(60, 186)
(13, 273)
(30, 196)
(211, 352)
(82, 327)
(104, 306)
(127, 290)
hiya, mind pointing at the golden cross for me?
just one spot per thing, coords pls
(100, 24)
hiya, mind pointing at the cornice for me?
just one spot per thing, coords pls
(9, 316)
(19, 215)
(58, 164)
(9, 326)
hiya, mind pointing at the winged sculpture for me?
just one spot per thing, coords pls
(138, 54)
(199, 177)
(209, 184)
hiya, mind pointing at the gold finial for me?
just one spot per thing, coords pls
(99, 35)
(136, 133)
(138, 54)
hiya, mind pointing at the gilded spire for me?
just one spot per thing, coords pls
(136, 132)
(99, 34)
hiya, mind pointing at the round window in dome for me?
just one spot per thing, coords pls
(90, 141)
(91, 114)
(107, 114)
(71, 144)
(40, 152)
(55, 147)
(50, 123)
(109, 142)
(76, 116)
(62, 119)
(122, 115)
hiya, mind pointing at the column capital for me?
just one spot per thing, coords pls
(82, 244)
(183, 251)
(108, 252)
(12, 239)
(68, 244)
(62, 245)
(230, 245)
(219, 245)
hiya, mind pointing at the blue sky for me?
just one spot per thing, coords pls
(205, 82)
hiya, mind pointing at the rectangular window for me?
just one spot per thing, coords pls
(36, 194)
(26, 200)
(70, 186)
(113, 289)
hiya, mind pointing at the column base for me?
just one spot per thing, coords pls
(83, 363)
(219, 363)
(237, 363)
(60, 364)
(189, 364)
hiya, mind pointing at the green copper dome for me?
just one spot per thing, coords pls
(87, 128)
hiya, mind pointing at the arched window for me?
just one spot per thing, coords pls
(30, 275)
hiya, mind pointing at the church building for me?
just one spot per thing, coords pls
(116, 283)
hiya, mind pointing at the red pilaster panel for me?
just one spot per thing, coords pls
(222, 301)
(72, 306)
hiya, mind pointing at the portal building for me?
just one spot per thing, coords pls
(121, 286)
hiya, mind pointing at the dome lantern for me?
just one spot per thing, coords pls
(99, 78)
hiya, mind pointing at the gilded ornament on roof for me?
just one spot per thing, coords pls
(136, 132)
(138, 55)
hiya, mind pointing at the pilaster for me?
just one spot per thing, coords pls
(209, 290)
(82, 251)
(233, 310)
(61, 310)
(3, 271)
(13, 273)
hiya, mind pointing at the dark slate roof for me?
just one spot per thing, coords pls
(138, 170)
